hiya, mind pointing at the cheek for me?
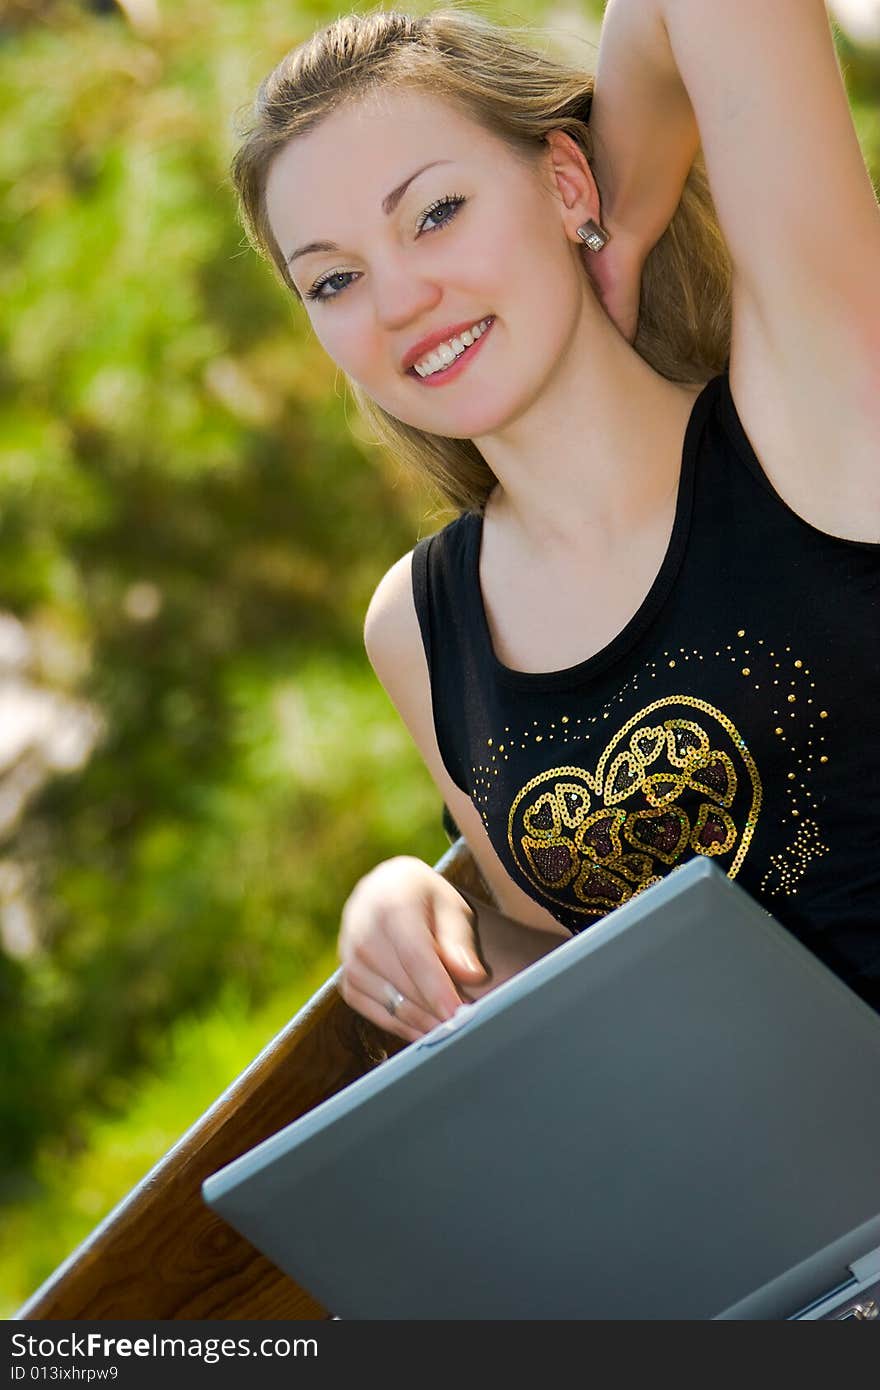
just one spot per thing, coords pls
(481, 269)
(547, 292)
(351, 341)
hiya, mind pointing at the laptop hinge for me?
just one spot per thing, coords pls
(868, 1267)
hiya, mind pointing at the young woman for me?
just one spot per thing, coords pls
(630, 330)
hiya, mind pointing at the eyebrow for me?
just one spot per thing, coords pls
(389, 203)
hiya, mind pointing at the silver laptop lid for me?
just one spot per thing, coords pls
(682, 1101)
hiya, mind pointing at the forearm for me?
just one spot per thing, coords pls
(643, 123)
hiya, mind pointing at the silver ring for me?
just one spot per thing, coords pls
(394, 999)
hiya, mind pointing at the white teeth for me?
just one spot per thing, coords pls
(446, 353)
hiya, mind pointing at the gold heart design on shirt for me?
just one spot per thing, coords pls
(662, 787)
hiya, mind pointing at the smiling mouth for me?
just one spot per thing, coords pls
(449, 370)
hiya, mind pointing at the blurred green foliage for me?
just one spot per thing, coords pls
(191, 532)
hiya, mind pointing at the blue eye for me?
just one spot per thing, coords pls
(453, 201)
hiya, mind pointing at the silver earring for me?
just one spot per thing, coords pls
(594, 235)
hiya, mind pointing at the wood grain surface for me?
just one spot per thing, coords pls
(162, 1253)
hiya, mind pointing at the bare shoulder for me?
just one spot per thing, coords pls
(393, 642)
(391, 625)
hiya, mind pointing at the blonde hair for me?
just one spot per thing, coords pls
(494, 75)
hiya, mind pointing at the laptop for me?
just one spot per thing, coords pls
(673, 1115)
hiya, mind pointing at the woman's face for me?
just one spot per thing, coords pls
(477, 235)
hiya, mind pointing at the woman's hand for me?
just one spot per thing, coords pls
(616, 276)
(405, 927)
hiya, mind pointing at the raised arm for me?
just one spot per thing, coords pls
(643, 124)
(759, 86)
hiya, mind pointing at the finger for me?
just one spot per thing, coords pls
(419, 960)
(406, 945)
(454, 924)
(375, 987)
(365, 1005)
(376, 950)
(381, 959)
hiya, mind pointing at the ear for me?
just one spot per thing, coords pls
(615, 273)
(570, 180)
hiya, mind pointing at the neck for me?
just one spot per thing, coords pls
(598, 453)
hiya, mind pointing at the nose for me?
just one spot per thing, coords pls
(402, 298)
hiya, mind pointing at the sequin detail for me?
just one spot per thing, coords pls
(789, 866)
(667, 783)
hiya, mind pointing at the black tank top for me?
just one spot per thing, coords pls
(736, 715)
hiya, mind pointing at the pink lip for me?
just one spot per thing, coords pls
(455, 368)
(426, 345)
